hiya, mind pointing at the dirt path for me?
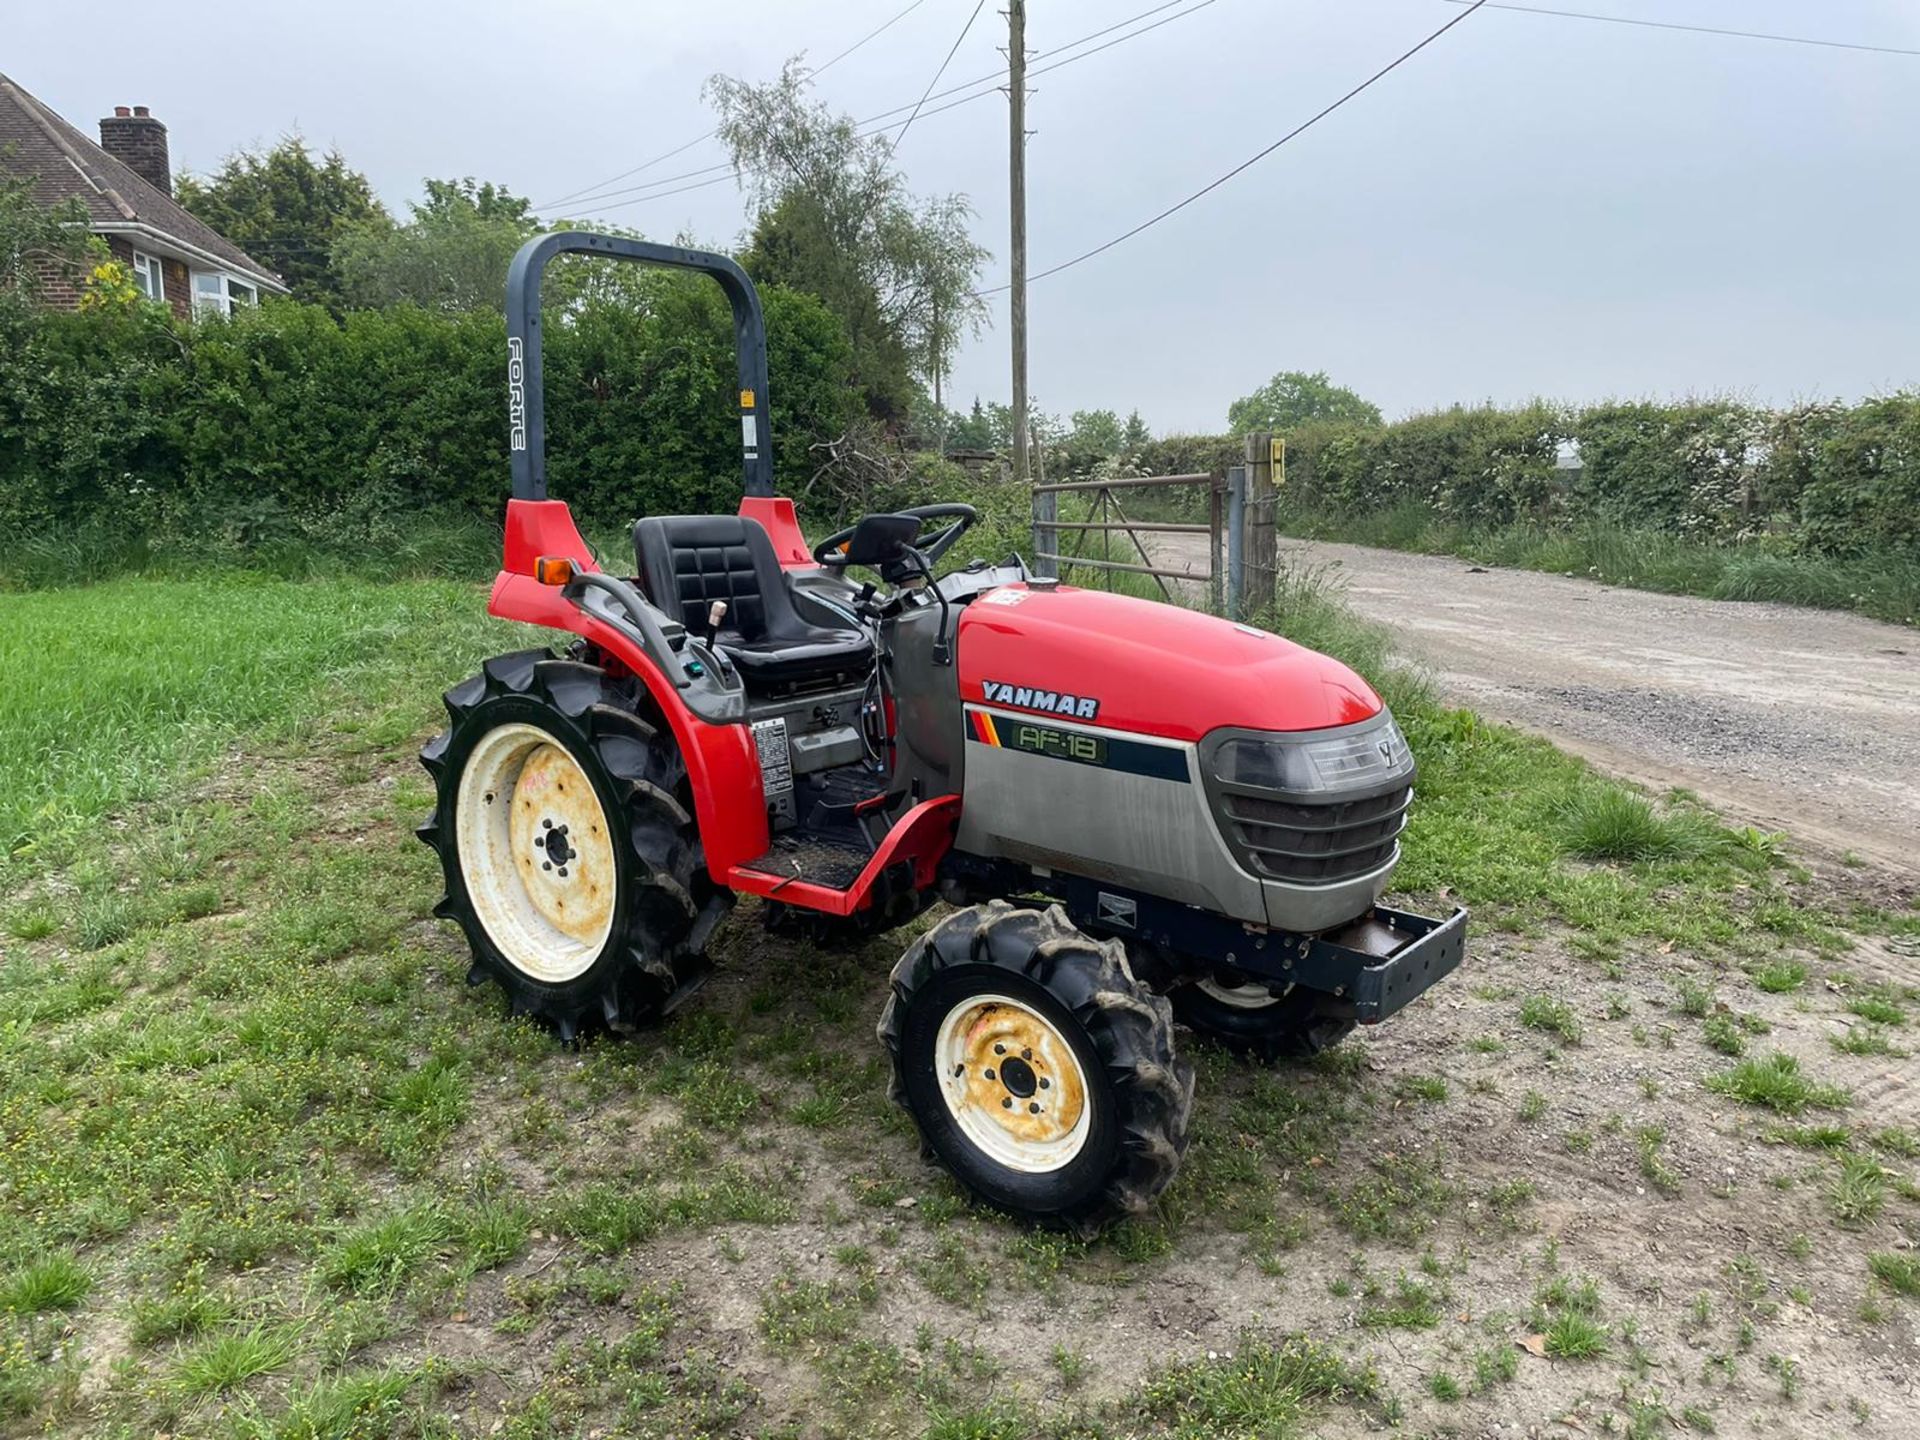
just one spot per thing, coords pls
(1800, 720)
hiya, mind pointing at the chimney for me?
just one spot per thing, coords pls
(138, 141)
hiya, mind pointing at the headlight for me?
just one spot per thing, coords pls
(1303, 767)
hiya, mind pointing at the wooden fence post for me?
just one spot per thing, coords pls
(1262, 553)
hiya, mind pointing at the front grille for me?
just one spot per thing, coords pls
(1314, 844)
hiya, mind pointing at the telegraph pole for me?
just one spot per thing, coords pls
(1017, 186)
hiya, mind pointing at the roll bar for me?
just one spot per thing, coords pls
(526, 406)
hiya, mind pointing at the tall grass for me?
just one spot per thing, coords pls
(1885, 586)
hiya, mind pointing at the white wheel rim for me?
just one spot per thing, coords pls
(1250, 996)
(1012, 1083)
(535, 853)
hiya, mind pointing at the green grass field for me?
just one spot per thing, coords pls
(270, 1168)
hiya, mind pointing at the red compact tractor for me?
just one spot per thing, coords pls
(1140, 814)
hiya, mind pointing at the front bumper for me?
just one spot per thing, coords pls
(1376, 965)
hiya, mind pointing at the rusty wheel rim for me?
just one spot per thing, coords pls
(535, 853)
(1012, 1083)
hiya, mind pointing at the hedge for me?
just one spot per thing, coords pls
(287, 418)
(1829, 479)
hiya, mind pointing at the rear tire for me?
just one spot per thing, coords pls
(571, 858)
(1038, 1070)
(1240, 1013)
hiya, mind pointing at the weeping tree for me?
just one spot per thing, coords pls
(832, 215)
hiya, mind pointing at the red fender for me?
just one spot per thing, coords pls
(729, 804)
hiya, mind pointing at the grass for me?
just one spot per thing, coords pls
(1551, 1014)
(1899, 1273)
(56, 1281)
(1884, 586)
(1776, 1082)
(1606, 822)
(1266, 1389)
(251, 1113)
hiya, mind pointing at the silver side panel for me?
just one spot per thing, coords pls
(1149, 834)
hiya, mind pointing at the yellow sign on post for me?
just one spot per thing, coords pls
(1278, 454)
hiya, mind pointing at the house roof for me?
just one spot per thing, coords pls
(65, 164)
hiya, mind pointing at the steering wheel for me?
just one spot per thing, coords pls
(831, 552)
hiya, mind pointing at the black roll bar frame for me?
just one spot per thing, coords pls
(526, 405)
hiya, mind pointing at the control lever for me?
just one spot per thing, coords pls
(716, 612)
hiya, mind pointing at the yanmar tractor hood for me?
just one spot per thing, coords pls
(1093, 658)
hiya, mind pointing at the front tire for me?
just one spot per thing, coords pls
(571, 860)
(1246, 1016)
(1038, 1070)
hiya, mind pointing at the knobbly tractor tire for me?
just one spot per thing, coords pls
(1038, 1070)
(1243, 1015)
(564, 826)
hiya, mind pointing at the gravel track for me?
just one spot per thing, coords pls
(1792, 719)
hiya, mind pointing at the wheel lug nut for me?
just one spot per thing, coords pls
(546, 824)
(989, 1074)
(563, 872)
(546, 864)
(999, 1049)
(1008, 1102)
(1045, 1084)
(1026, 1054)
(1033, 1108)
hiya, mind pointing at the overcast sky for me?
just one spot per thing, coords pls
(1534, 205)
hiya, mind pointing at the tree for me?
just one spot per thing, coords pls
(832, 216)
(38, 243)
(286, 210)
(451, 256)
(1294, 397)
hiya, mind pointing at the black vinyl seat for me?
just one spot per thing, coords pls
(689, 561)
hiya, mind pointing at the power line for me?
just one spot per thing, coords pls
(873, 34)
(1696, 29)
(978, 6)
(1251, 160)
(995, 81)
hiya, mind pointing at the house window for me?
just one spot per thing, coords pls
(146, 274)
(213, 291)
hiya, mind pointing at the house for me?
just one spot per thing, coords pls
(126, 184)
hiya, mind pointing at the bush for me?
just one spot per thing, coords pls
(120, 428)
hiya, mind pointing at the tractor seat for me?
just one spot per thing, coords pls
(689, 561)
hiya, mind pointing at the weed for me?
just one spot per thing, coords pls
(1575, 1337)
(1786, 1370)
(1603, 821)
(1693, 998)
(1865, 1040)
(1413, 1305)
(1722, 1032)
(1777, 977)
(1776, 1082)
(1532, 1106)
(1072, 1366)
(1551, 1014)
(188, 1308)
(225, 1361)
(1858, 1189)
(377, 1257)
(1494, 1366)
(1262, 1389)
(1878, 1010)
(1444, 1387)
(55, 1281)
(1649, 1139)
(1900, 1273)
(1424, 1087)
